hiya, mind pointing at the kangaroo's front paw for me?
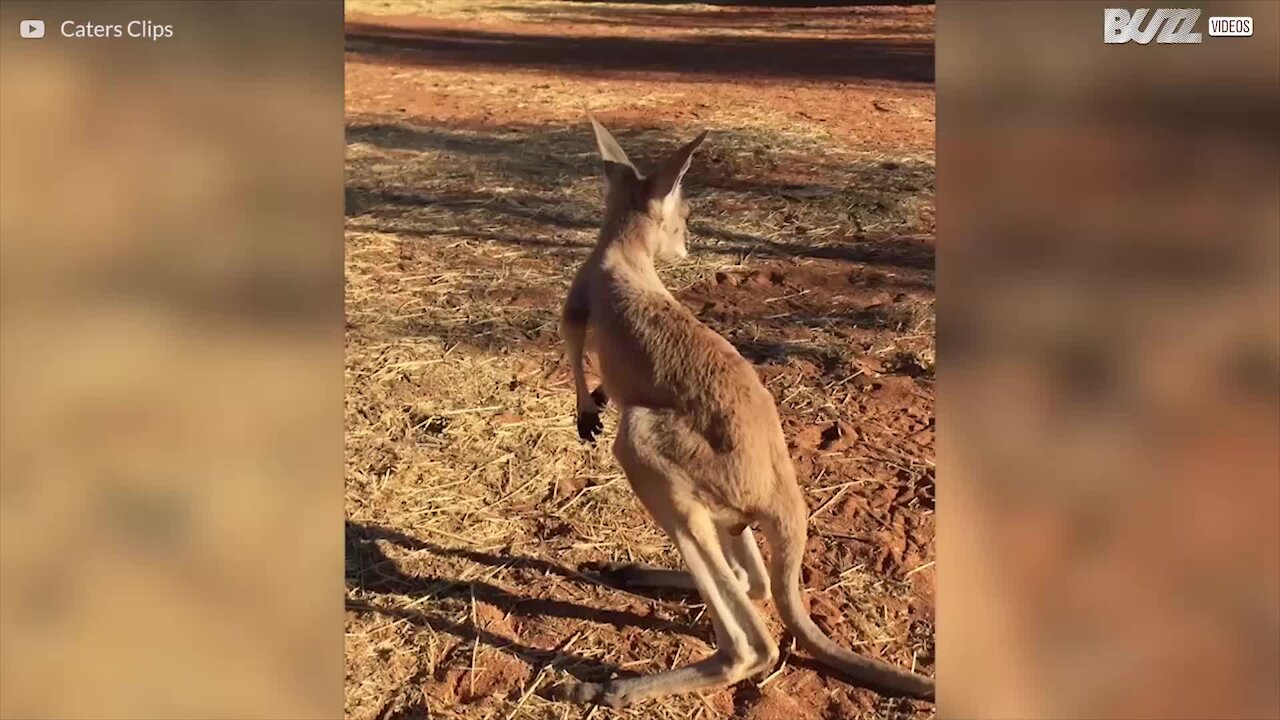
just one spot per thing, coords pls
(589, 425)
(600, 398)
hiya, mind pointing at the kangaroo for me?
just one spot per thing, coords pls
(700, 442)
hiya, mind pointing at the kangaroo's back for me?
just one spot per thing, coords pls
(655, 351)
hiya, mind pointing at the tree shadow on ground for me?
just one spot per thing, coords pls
(891, 251)
(557, 157)
(535, 189)
(731, 159)
(891, 61)
(879, 20)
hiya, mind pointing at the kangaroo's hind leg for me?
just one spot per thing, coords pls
(743, 643)
(740, 551)
(743, 553)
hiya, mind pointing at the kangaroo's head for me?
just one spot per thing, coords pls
(649, 207)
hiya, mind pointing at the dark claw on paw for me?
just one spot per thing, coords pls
(589, 426)
(599, 397)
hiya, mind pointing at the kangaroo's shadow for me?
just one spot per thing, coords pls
(371, 571)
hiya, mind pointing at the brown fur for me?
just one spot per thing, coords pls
(699, 440)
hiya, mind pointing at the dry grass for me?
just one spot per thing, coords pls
(471, 503)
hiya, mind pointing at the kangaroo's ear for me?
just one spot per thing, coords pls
(665, 183)
(617, 166)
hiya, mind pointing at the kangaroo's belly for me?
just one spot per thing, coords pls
(627, 375)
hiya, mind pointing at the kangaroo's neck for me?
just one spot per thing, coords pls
(627, 252)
